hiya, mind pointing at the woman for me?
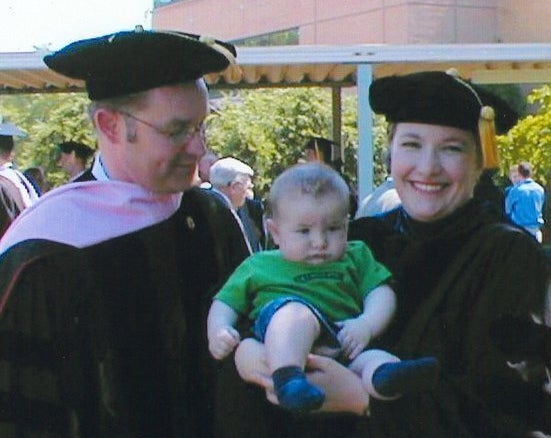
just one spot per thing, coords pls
(459, 270)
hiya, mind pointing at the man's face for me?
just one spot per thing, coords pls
(158, 157)
(204, 165)
(239, 190)
(64, 161)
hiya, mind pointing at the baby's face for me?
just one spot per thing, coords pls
(310, 230)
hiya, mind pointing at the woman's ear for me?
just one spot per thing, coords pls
(272, 228)
(107, 123)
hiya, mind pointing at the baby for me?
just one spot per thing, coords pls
(317, 292)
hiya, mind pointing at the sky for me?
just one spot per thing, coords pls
(28, 24)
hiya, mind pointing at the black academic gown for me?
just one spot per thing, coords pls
(11, 204)
(455, 278)
(110, 340)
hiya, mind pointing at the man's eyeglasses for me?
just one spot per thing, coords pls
(176, 136)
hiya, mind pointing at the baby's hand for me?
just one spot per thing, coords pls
(223, 341)
(354, 335)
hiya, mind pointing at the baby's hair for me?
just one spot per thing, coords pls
(314, 179)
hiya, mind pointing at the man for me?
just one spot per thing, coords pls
(11, 203)
(384, 198)
(73, 158)
(231, 180)
(524, 201)
(329, 152)
(106, 283)
(204, 166)
(16, 191)
(7, 169)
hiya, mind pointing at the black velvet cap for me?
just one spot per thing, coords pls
(325, 148)
(128, 62)
(439, 98)
(81, 150)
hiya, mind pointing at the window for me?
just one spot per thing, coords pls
(287, 37)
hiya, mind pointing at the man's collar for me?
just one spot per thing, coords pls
(98, 169)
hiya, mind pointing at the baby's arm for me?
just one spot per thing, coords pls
(357, 333)
(222, 335)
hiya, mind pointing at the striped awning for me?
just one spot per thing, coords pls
(328, 66)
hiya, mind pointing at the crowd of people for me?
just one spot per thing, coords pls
(21, 189)
(172, 318)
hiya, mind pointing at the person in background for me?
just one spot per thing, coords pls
(11, 204)
(384, 198)
(74, 158)
(524, 202)
(231, 180)
(327, 151)
(205, 164)
(334, 293)
(37, 178)
(459, 269)
(105, 283)
(8, 170)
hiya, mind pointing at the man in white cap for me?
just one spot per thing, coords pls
(7, 169)
(105, 283)
(16, 191)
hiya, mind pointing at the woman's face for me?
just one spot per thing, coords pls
(435, 168)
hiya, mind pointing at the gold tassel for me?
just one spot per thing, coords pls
(319, 153)
(487, 133)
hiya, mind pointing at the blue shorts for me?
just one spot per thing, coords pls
(328, 335)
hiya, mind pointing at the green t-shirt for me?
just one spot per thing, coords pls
(336, 288)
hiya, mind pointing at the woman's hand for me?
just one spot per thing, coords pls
(343, 389)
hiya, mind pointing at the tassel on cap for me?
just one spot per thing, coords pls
(212, 42)
(487, 133)
(486, 127)
(319, 153)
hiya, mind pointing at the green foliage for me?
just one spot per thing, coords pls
(48, 119)
(268, 129)
(530, 139)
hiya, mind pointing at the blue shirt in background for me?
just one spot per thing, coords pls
(524, 204)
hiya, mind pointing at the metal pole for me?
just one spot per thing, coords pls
(365, 131)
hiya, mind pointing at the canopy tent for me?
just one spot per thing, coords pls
(327, 66)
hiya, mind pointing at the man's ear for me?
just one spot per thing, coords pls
(272, 228)
(108, 123)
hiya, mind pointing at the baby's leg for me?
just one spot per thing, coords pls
(386, 377)
(289, 337)
(290, 334)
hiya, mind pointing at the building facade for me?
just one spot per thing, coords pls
(281, 22)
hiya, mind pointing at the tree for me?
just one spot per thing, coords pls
(48, 119)
(530, 139)
(268, 129)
